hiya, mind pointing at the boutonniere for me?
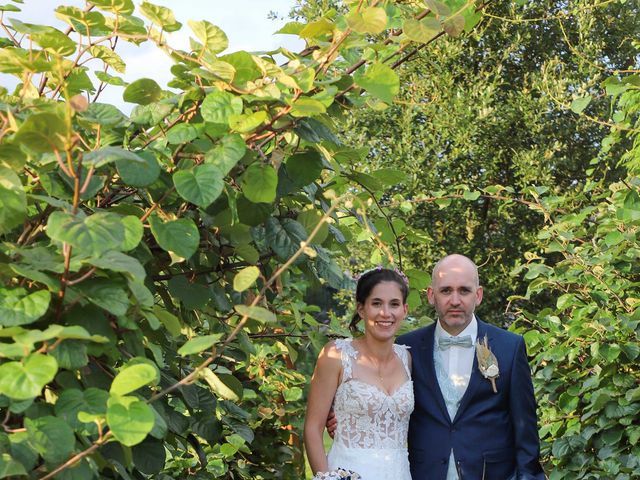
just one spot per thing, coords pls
(487, 362)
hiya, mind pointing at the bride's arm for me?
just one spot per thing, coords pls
(324, 383)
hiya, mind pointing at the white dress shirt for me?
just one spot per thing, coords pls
(458, 361)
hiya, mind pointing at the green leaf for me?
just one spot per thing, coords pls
(119, 262)
(93, 235)
(380, 81)
(182, 133)
(245, 123)
(13, 201)
(8, 466)
(317, 29)
(17, 307)
(51, 437)
(143, 92)
(129, 422)
(259, 183)
(213, 39)
(471, 195)
(227, 153)
(106, 294)
(245, 278)
(390, 176)
(245, 66)
(25, 380)
(284, 238)
(42, 132)
(177, 236)
(108, 56)
(579, 104)
(149, 456)
(132, 378)
(307, 107)
(309, 219)
(72, 401)
(421, 30)
(199, 344)
(161, 16)
(133, 231)
(257, 313)
(223, 385)
(454, 26)
(217, 107)
(105, 115)
(201, 186)
(106, 155)
(121, 7)
(140, 173)
(71, 354)
(192, 293)
(371, 20)
(170, 321)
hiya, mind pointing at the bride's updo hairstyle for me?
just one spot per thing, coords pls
(369, 279)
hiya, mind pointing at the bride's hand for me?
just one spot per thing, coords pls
(332, 423)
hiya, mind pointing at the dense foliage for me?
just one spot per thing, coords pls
(153, 267)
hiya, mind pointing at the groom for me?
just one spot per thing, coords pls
(461, 429)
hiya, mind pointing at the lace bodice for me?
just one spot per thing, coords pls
(367, 416)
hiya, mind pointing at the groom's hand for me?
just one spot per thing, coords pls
(331, 424)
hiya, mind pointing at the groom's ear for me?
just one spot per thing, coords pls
(430, 294)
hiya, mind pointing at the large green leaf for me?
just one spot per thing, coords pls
(380, 81)
(119, 262)
(246, 68)
(139, 173)
(133, 377)
(106, 155)
(201, 185)
(368, 20)
(25, 380)
(71, 354)
(143, 92)
(224, 385)
(133, 232)
(73, 401)
(257, 313)
(13, 201)
(227, 153)
(106, 294)
(51, 437)
(149, 456)
(10, 467)
(307, 107)
(17, 307)
(247, 122)
(162, 16)
(259, 183)
(218, 106)
(129, 421)
(304, 168)
(213, 39)
(284, 238)
(43, 132)
(245, 278)
(178, 236)
(422, 30)
(198, 344)
(93, 235)
(122, 7)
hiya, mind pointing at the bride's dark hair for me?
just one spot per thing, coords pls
(368, 280)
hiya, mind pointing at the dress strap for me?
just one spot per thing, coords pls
(403, 352)
(347, 354)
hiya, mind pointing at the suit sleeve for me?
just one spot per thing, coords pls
(523, 414)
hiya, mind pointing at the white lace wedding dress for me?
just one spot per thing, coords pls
(371, 436)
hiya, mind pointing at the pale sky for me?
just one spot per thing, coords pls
(244, 21)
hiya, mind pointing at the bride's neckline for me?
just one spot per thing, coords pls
(378, 387)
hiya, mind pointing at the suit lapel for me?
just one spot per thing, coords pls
(476, 377)
(431, 377)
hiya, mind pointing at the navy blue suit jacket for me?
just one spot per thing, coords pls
(493, 434)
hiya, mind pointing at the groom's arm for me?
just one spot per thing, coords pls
(524, 419)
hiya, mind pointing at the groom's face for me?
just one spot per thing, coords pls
(455, 293)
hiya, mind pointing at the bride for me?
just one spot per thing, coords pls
(367, 380)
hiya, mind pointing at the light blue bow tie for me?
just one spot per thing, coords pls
(464, 341)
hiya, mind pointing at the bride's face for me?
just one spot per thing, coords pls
(383, 310)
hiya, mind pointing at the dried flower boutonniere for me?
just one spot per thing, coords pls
(487, 362)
